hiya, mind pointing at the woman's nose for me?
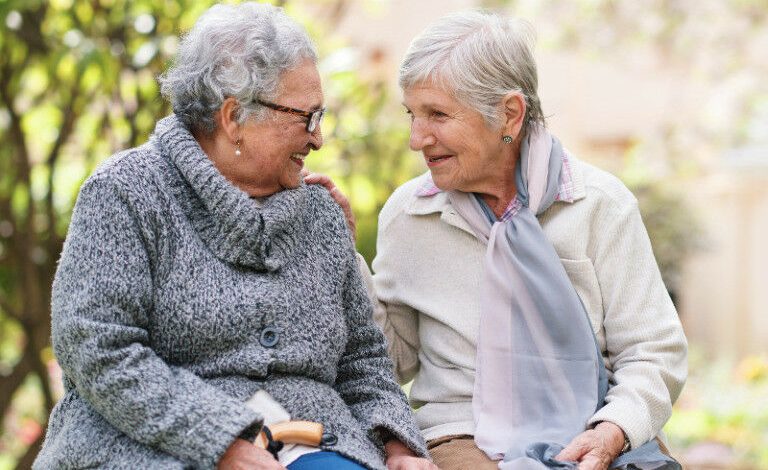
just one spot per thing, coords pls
(421, 136)
(316, 138)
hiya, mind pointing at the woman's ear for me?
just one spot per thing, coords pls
(514, 112)
(226, 117)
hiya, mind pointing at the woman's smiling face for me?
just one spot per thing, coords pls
(273, 149)
(459, 148)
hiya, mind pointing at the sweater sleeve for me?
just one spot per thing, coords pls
(365, 379)
(101, 329)
(645, 344)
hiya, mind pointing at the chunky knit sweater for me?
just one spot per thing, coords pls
(177, 298)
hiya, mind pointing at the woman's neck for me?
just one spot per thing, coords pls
(220, 151)
(500, 192)
(499, 201)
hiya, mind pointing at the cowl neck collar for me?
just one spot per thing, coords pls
(232, 225)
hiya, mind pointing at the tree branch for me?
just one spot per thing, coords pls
(10, 383)
(29, 456)
(45, 381)
(67, 127)
(9, 309)
(17, 135)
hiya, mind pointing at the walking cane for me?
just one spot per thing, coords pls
(275, 436)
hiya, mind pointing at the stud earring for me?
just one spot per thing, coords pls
(237, 148)
(507, 139)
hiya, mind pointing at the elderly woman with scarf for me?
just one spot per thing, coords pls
(516, 284)
(199, 270)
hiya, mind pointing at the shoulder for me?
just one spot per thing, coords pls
(604, 190)
(321, 204)
(324, 214)
(401, 199)
(131, 171)
(129, 180)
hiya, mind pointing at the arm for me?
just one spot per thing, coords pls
(645, 343)
(364, 378)
(400, 326)
(398, 322)
(102, 299)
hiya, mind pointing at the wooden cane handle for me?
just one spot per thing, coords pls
(293, 432)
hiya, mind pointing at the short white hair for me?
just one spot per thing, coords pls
(236, 51)
(478, 57)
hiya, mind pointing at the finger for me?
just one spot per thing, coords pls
(271, 465)
(304, 172)
(339, 197)
(590, 462)
(573, 452)
(319, 178)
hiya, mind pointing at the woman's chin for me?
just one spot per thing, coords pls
(293, 182)
(445, 184)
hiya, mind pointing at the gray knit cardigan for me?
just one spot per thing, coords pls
(177, 298)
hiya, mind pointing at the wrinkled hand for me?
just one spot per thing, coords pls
(406, 462)
(243, 455)
(596, 448)
(400, 457)
(336, 194)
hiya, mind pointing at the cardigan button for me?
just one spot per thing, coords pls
(269, 337)
(329, 439)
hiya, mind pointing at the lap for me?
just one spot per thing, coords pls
(459, 453)
(324, 461)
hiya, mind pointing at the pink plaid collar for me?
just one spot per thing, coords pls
(565, 193)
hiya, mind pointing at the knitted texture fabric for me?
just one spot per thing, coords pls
(177, 297)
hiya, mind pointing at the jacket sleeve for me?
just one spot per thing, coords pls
(645, 344)
(400, 326)
(365, 379)
(101, 329)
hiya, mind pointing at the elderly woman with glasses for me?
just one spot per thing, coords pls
(516, 283)
(203, 287)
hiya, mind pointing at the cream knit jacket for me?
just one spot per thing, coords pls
(428, 269)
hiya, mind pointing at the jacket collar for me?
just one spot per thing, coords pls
(438, 202)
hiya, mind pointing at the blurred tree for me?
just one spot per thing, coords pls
(76, 84)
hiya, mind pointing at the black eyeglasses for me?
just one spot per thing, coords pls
(314, 118)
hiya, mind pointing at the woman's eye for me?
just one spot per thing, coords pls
(439, 114)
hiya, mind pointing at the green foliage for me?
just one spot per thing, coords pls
(366, 145)
(77, 84)
(724, 403)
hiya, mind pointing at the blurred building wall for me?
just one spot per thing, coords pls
(725, 288)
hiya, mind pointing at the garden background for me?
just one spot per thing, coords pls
(670, 95)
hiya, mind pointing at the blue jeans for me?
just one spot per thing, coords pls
(324, 460)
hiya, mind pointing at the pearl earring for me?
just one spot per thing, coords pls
(507, 139)
(237, 148)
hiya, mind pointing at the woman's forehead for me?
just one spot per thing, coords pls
(428, 94)
(302, 85)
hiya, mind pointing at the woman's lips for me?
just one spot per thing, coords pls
(437, 160)
(298, 159)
